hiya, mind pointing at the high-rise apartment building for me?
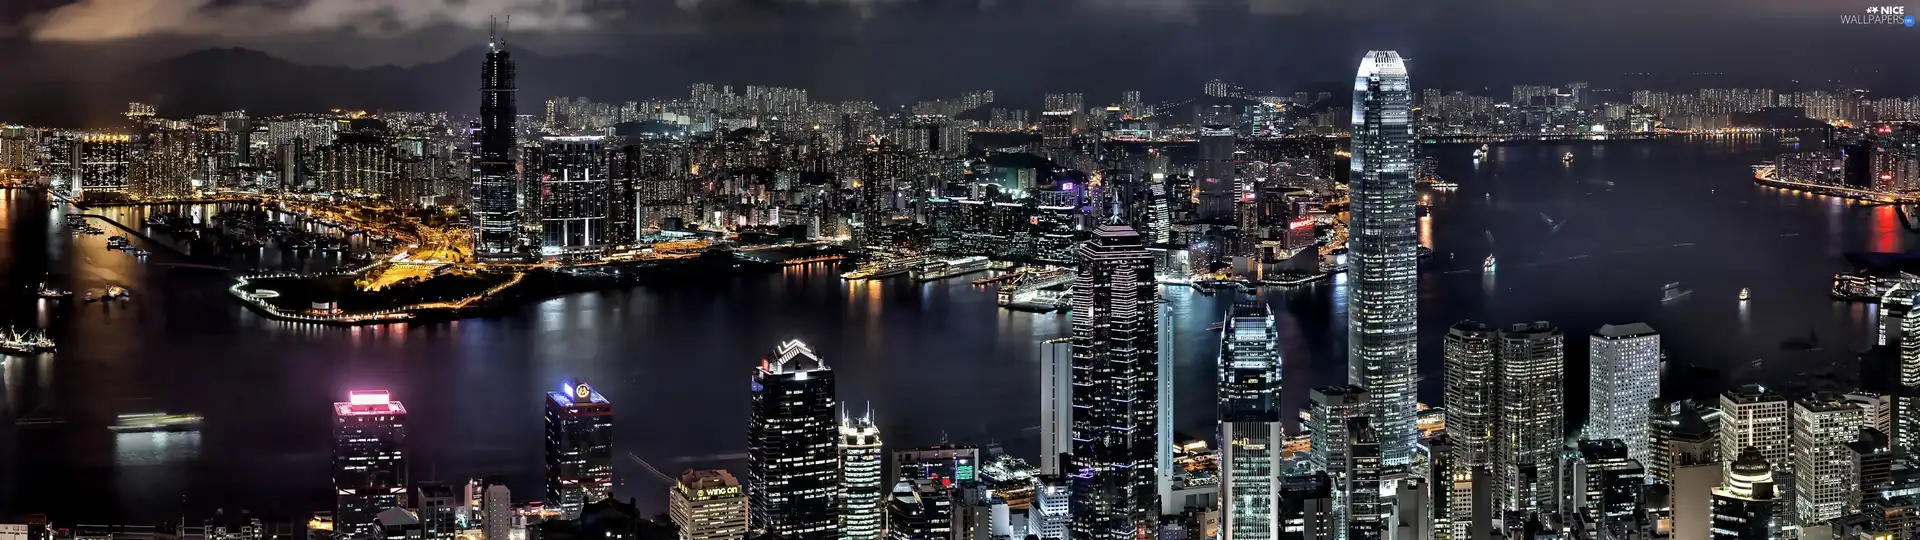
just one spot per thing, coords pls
(1383, 253)
(793, 471)
(570, 174)
(1250, 435)
(1530, 428)
(863, 491)
(579, 447)
(1471, 380)
(708, 505)
(369, 460)
(1624, 378)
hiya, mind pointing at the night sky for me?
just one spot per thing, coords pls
(896, 51)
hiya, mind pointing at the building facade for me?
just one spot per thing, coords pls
(1250, 433)
(863, 490)
(369, 460)
(1383, 253)
(793, 471)
(1624, 377)
(579, 447)
(708, 505)
(1532, 417)
(1116, 388)
(496, 197)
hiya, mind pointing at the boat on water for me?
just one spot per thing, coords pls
(50, 292)
(942, 269)
(1488, 266)
(152, 422)
(25, 342)
(883, 268)
(1743, 294)
(1480, 153)
(1567, 158)
(116, 242)
(1673, 293)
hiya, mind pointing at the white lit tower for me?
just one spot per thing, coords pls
(862, 478)
(1383, 254)
(1624, 378)
(1116, 389)
(1250, 434)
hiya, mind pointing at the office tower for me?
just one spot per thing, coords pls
(951, 462)
(496, 194)
(1607, 481)
(1056, 402)
(1624, 378)
(1250, 437)
(982, 513)
(1743, 508)
(579, 447)
(708, 505)
(1439, 477)
(496, 510)
(1056, 134)
(1529, 428)
(793, 472)
(369, 459)
(1115, 400)
(1050, 516)
(1471, 380)
(392, 524)
(1412, 511)
(1752, 416)
(1680, 435)
(1329, 410)
(1870, 463)
(570, 175)
(920, 509)
(439, 510)
(1383, 253)
(1217, 176)
(1823, 424)
(863, 490)
(1900, 336)
(1365, 513)
(1306, 508)
(1165, 470)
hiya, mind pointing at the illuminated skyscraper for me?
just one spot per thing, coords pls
(793, 471)
(1471, 378)
(1056, 403)
(863, 493)
(1529, 431)
(1383, 253)
(571, 173)
(1823, 474)
(1744, 506)
(369, 460)
(708, 505)
(579, 447)
(1754, 417)
(1366, 514)
(1116, 388)
(1624, 378)
(1250, 435)
(496, 206)
(1329, 411)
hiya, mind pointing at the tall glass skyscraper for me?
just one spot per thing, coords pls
(369, 460)
(1530, 428)
(1624, 377)
(579, 447)
(1471, 377)
(495, 199)
(571, 175)
(1383, 253)
(1250, 437)
(1116, 390)
(863, 492)
(793, 458)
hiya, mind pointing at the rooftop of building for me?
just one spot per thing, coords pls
(368, 403)
(793, 356)
(1629, 330)
(574, 393)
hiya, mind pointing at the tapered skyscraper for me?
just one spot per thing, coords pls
(496, 206)
(1250, 437)
(1116, 389)
(793, 457)
(1383, 253)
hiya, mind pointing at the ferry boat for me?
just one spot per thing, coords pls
(1482, 153)
(151, 422)
(882, 268)
(1567, 158)
(53, 293)
(116, 242)
(935, 270)
(1673, 293)
(1488, 266)
(116, 291)
(1743, 294)
(25, 342)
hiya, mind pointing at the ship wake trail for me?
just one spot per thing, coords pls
(650, 470)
